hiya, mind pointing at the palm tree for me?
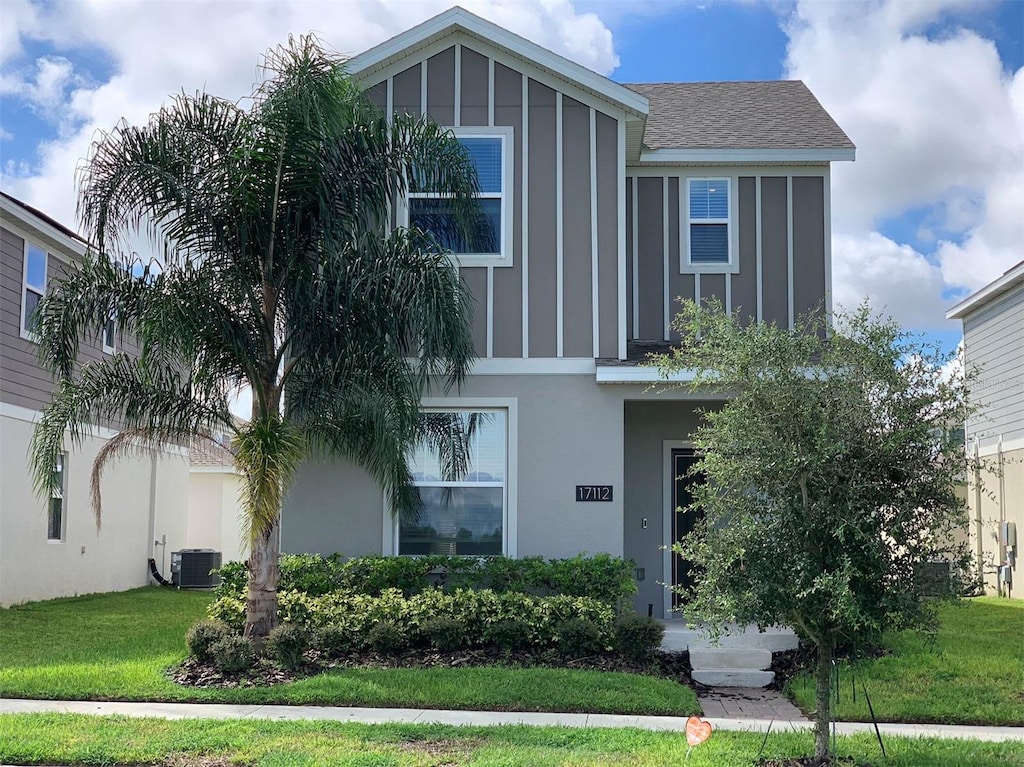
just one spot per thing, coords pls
(279, 269)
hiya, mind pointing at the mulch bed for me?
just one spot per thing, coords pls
(788, 663)
(192, 673)
(810, 761)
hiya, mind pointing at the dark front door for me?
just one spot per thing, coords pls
(683, 519)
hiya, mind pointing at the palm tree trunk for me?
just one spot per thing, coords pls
(261, 600)
(823, 691)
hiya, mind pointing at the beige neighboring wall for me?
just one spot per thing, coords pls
(214, 513)
(993, 500)
(86, 561)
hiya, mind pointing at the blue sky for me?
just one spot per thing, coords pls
(932, 92)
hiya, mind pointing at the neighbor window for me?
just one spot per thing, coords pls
(34, 284)
(465, 514)
(110, 335)
(488, 236)
(55, 512)
(708, 205)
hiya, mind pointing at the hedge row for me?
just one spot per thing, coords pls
(601, 577)
(341, 624)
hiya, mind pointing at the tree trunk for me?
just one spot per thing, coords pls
(823, 715)
(261, 600)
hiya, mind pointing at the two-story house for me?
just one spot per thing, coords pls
(993, 321)
(606, 202)
(50, 547)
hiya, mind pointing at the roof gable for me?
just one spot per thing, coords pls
(458, 20)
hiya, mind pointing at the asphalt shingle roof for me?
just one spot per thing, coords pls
(774, 114)
(204, 452)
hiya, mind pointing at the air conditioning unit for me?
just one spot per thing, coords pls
(190, 568)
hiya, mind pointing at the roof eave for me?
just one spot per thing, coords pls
(660, 156)
(456, 19)
(29, 217)
(1011, 279)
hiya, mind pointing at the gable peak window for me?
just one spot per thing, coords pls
(489, 238)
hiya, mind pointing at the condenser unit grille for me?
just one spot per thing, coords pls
(190, 568)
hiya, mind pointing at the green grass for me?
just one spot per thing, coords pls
(972, 673)
(118, 646)
(79, 739)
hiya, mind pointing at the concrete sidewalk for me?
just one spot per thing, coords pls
(476, 718)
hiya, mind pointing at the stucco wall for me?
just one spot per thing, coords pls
(213, 514)
(569, 432)
(87, 560)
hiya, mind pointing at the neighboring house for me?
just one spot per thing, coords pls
(214, 485)
(993, 321)
(606, 203)
(50, 547)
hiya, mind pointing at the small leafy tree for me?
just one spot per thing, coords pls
(831, 475)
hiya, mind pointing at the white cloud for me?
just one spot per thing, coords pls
(5, 135)
(938, 123)
(161, 47)
(898, 280)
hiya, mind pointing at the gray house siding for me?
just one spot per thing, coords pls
(557, 293)
(994, 340)
(779, 221)
(23, 382)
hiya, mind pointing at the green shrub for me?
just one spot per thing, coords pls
(578, 637)
(638, 637)
(387, 638)
(335, 641)
(603, 577)
(202, 636)
(509, 634)
(286, 645)
(233, 653)
(445, 634)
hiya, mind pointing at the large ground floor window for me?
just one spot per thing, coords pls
(463, 513)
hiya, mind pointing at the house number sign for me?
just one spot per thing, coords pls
(593, 493)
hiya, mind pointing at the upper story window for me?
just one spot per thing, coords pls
(708, 214)
(110, 335)
(33, 285)
(489, 239)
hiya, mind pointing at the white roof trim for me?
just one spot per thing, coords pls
(747, 155)
(459, 18)
(628, 374)
(29, 219)
(1013, 277)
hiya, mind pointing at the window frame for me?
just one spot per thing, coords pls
(26, 286)
(109, 331)
(729, 266)
(510, 407)
(507, 136)
(59, 494)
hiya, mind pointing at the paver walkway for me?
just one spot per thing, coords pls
(476, 718)
(748, 703)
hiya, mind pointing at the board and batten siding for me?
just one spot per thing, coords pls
(558, 293)
(23, 382)
(994, 342)
(778, 228)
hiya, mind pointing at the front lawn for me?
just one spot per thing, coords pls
(77, 739)
(970, 674)
(118, 646)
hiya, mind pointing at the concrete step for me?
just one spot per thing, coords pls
(754, 659)
(680, 636)
(733, 677)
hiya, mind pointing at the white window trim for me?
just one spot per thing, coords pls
(732, 266)
(510, 521)
(504, 258)
(62, 494)
(37, 289)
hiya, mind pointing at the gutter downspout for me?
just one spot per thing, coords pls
(979, 543)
